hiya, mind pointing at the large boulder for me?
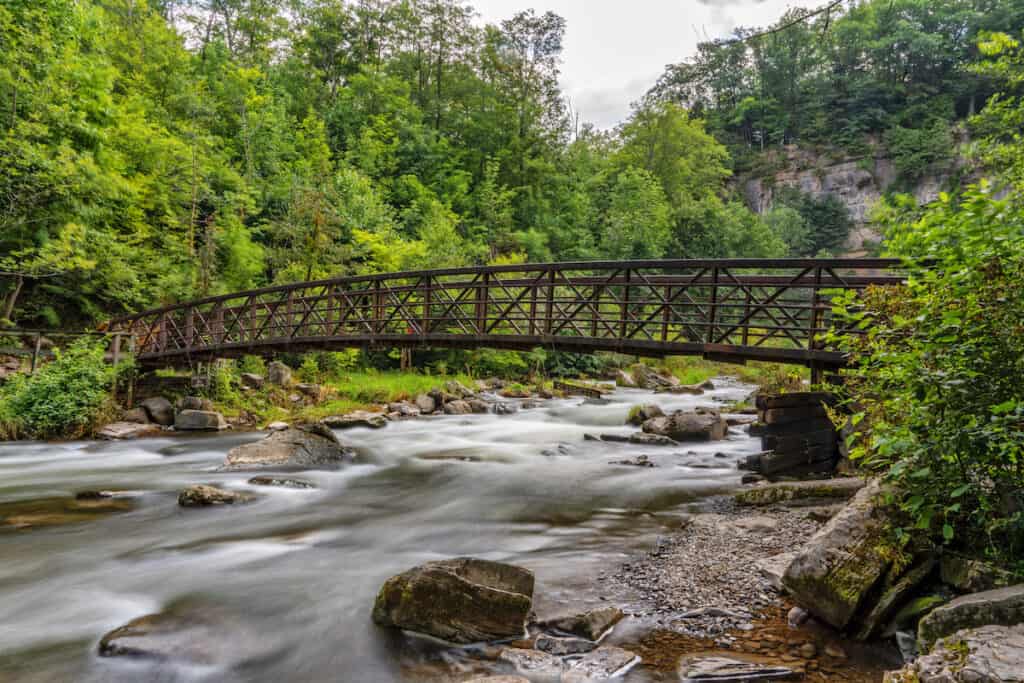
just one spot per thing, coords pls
(358, 418)
(688, 426)
(624, 378)
(199, 421)
(840, 565)
(136, 415)
(648, 378)
(458, 389)
(252, 380)
(159, 410)
(311, 446)
(973, 576)
(278, 373)
(1000, 607)
(194, 403)
(464, 600)
(989, 654)
(801, 492)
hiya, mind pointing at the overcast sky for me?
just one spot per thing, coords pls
(616, 49)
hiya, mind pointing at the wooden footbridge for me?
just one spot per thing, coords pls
(732, 310)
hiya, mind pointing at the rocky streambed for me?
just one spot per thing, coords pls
(167, 579)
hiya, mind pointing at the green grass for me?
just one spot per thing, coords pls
(768, 376)
(385, 387)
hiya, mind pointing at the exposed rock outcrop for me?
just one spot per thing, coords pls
(1000, 607)
(989, 654)
(464, 600)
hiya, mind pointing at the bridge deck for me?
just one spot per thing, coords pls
(731, 309)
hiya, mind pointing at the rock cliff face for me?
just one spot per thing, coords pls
(859, 184)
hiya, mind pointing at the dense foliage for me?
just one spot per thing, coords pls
(937, 389)
(889, 76)
(64, 398)
(156, 151)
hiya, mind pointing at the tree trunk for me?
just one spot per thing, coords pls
(12, 298)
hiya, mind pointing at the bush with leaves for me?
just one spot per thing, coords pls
(65, 398)
(936, 384)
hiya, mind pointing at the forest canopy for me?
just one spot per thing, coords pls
(157, 151)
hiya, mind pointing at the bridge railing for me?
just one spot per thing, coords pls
(768, 309)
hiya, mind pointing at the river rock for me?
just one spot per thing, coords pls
(591, 625)
(690, 389)
(117, 431)
(277, 426)
(252, 380)
(202, 495)
(478, 406)
(464, 600)
(199, 420)
(136, 415)
(647, 378)
(282, 482)
(688, 426)
(194, 403)
(458, 389)
(357, 418)
(500, 679)
(726, 670)
(457, 407)
(641, 413)
(159, 410)
(505, 408)
(836, 569)
(426, 404)
(988, 654)
(533, 664)
(306, 447)
(314, 391)
(624, 378)
(1000, 607)
(403, 409)
(601, 664)
(279, 374)
(973, 576)
(561, 647)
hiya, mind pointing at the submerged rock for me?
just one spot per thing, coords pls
(536, 665)
(561, 647)
(688, 426)
(203, 495)
(464, 600)
(989, 654)
(726, 670)
(1000, 607)
(187, 634)
(310, 446)
(282, 482)
(837, 568)
(358, 418)
(601, 664)
(199, 420)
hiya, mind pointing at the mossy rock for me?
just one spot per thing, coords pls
(826, 489)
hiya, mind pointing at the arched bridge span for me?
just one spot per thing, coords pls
(723, 309)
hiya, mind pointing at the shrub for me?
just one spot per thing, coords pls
(937, 384)
(65, 398)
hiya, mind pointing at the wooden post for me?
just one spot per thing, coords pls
(35, 351)
(533, 308)
(624, 309)
(427, 296)
(481, 304)
(814, 319)
(713, 313)
(115, 351)
(746, 318)
(549, 314)
(666, 315)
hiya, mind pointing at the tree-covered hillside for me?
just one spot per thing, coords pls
(864, 75)
(156, 150)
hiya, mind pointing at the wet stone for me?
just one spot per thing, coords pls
(603, 663)
(726, 670)
(202, 495)
(591, 625)
(563, 646)
(536, 665)
(282, 482)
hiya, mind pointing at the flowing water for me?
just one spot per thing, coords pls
(297, 570)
